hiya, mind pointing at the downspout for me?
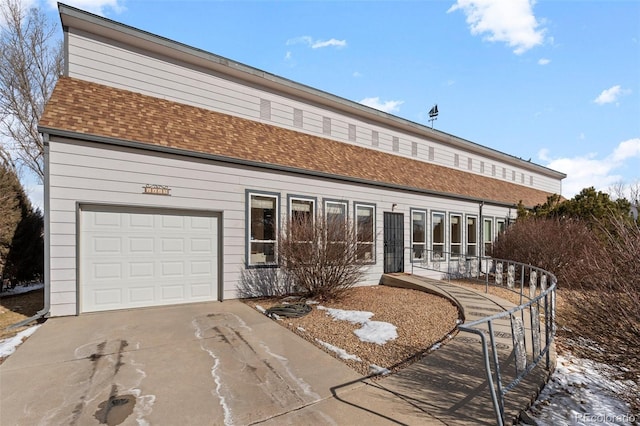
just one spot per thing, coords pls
(44, 312)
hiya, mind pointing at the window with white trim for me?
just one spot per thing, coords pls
(365, 233)
(263, 228)
(335, 212)
(487, 235)
(472, 236)
(501, 226)
(455, 234)
(418, 234)
(301, 210)
(437, 235)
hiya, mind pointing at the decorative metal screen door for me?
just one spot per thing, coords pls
(393, 242)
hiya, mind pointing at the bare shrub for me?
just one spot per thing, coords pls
(598, 269)
(264, 281)
(561, 246)
(320, 255)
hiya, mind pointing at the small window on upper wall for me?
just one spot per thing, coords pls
(365, 233)
(501, 226)
(263, 228)
(437, 235)
(455, 234)
(418, 235)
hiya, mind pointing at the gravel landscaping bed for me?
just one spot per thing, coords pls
(422, 320)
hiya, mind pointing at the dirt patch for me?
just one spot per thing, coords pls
(17, 308)
(421, 319)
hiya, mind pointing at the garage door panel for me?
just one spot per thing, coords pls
(133, 259)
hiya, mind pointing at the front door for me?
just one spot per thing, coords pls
(393, 242)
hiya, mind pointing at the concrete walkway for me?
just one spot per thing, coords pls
(225, 363)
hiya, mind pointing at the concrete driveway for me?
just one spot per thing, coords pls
(200, 364)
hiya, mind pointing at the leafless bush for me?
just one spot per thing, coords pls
(320, 255)
(264, 282)
(598, 273)
(562, 247)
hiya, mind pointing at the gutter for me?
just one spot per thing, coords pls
(44, 312)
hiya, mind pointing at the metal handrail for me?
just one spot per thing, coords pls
(541, 286)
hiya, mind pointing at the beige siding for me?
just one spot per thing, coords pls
(97, 59)
(100, 174)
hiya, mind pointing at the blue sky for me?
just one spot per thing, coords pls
(554, 81)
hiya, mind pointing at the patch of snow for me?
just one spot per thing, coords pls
(579, 393)
(312, 302)
(302, 329)
(261, 309)
(341, 352)
(371, 331)
(21, 289)
(8, 346)
(378, 332)
(377, 370)
(354, 317)
(275, 316)
(435, 347)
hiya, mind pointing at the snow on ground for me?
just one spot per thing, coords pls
(579, 393)
(8, 346)
(371, 331)
(22, 289)
(380, 371)
(341, 352)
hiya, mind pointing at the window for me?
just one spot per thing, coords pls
(456, 160)
(470, 163)
(418, 234)
(487, 235)
(472, 236)
(432, 153)
(365, 233)
(501, 226)
(335, 212)
(263, 228)
(455, 234)
(437, 235)
(352, 132)
(414, 149)
(396, 144)
(375, 138)
(301, 210)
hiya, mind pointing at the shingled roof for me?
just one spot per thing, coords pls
(84, 108)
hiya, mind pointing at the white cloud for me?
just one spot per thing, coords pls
(98, 7)
(357, 74)
(386, 106)
(287, 56)
(589, 170)
(508, 21)
(544, 61)
(611, 95)
(317, 44)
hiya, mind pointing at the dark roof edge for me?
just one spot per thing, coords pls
(273, 81)
(260, 165)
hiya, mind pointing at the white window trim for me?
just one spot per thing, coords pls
(468, 243)
(425, 233)
(451, 243)
(372, 243)
(443, 244)
(250, 240)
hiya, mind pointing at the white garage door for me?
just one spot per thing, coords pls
(132, 258)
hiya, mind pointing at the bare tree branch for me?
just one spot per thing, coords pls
(30, 63)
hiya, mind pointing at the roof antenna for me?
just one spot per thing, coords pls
(433, 114)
